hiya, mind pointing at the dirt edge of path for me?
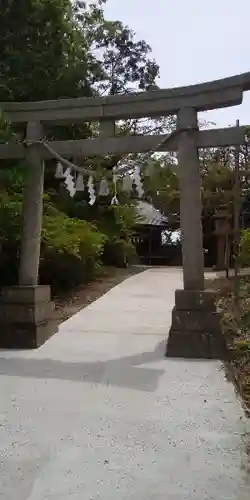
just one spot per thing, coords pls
(236, 333)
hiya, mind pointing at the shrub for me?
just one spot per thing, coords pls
(119, 249)
(71, 249)
(119, 252)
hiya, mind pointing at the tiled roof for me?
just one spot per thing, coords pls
(149, 215)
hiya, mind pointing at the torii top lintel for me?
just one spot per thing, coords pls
(205, 96)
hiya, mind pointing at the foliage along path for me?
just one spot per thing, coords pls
(98, 413)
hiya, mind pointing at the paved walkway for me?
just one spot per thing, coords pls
(97, 413)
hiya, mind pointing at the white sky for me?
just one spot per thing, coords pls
(193, 41)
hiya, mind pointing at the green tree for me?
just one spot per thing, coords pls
(125, 61)
(59, 48)
(40, 55)
(53, 49)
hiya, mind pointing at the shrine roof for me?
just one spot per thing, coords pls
(149, 215)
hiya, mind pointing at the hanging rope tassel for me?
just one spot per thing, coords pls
(80, 187)
(104, 188)
(91, 189)
(59, 171)
(114, 200)
(70, 183)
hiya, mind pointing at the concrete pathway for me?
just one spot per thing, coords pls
(97, 413)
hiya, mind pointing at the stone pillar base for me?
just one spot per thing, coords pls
(196, 330)
(26, 317)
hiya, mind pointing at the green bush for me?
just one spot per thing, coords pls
(119, 252)
(118, 225)
(71, 249)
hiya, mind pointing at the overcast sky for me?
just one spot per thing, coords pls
(193, 41)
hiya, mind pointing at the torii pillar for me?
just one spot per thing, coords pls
(195, 331)
(26, 311)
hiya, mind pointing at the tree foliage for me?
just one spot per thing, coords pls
(58, 48)
(52, 49)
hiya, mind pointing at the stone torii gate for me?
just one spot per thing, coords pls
(25, 309)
